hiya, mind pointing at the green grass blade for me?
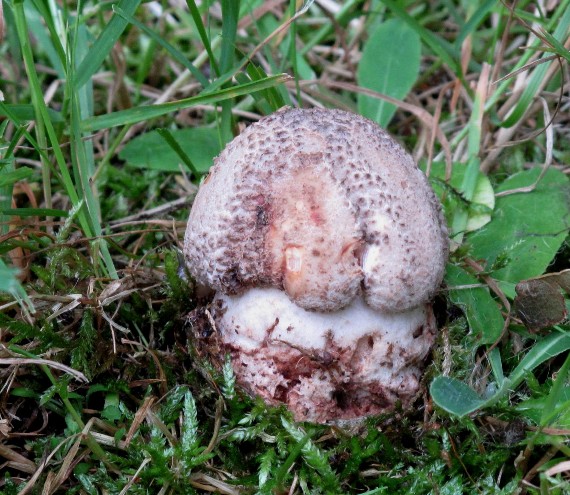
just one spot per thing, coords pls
(544, 349)
(555, 395)
(6, 185)
(474, 21)
(41, 116)
(174, 53)
(469, 183)
(230, 15)
(272, 96)
(7, 111)
(496, 365)
(444, 50)
(167, 136)
(47, 133)
(557, 46)
(140, 114)
(104, 43)
(82, 155)
(49, 12)
(537, 77)
(34, 212)
(9, 283)
(23, 111)
(292, 51)
(195, 13)
(40, 17)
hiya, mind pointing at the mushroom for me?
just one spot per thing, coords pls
(325, 245)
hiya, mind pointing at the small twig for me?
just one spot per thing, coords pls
(155, 212)
(135, 476)
(494, 286)
(532, 472)
(436, 118)
(561, 467)
(138, 419)
(52, 364)
(526, 67)
(217, 426)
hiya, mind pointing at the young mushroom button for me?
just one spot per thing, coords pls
(325, 245)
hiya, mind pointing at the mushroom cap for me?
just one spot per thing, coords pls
(325, 366)
(324, 205)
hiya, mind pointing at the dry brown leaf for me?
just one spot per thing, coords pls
(539, 302)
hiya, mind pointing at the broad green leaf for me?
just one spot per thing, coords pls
(174, 145)
(459, 399)
(481, 204)
(111, 410)
(528, 228)
(390, 65)
(454, 396)
(481, 310)
(151, 151)
(8, 279)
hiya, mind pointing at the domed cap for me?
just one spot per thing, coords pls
(324, 205)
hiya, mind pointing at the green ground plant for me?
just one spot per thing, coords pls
(110, 115)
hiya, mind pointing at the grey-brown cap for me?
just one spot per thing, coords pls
(323, 204)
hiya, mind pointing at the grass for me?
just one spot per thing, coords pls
(104, 387)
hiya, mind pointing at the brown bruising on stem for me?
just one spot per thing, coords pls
(314, 239)
(334, 376)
